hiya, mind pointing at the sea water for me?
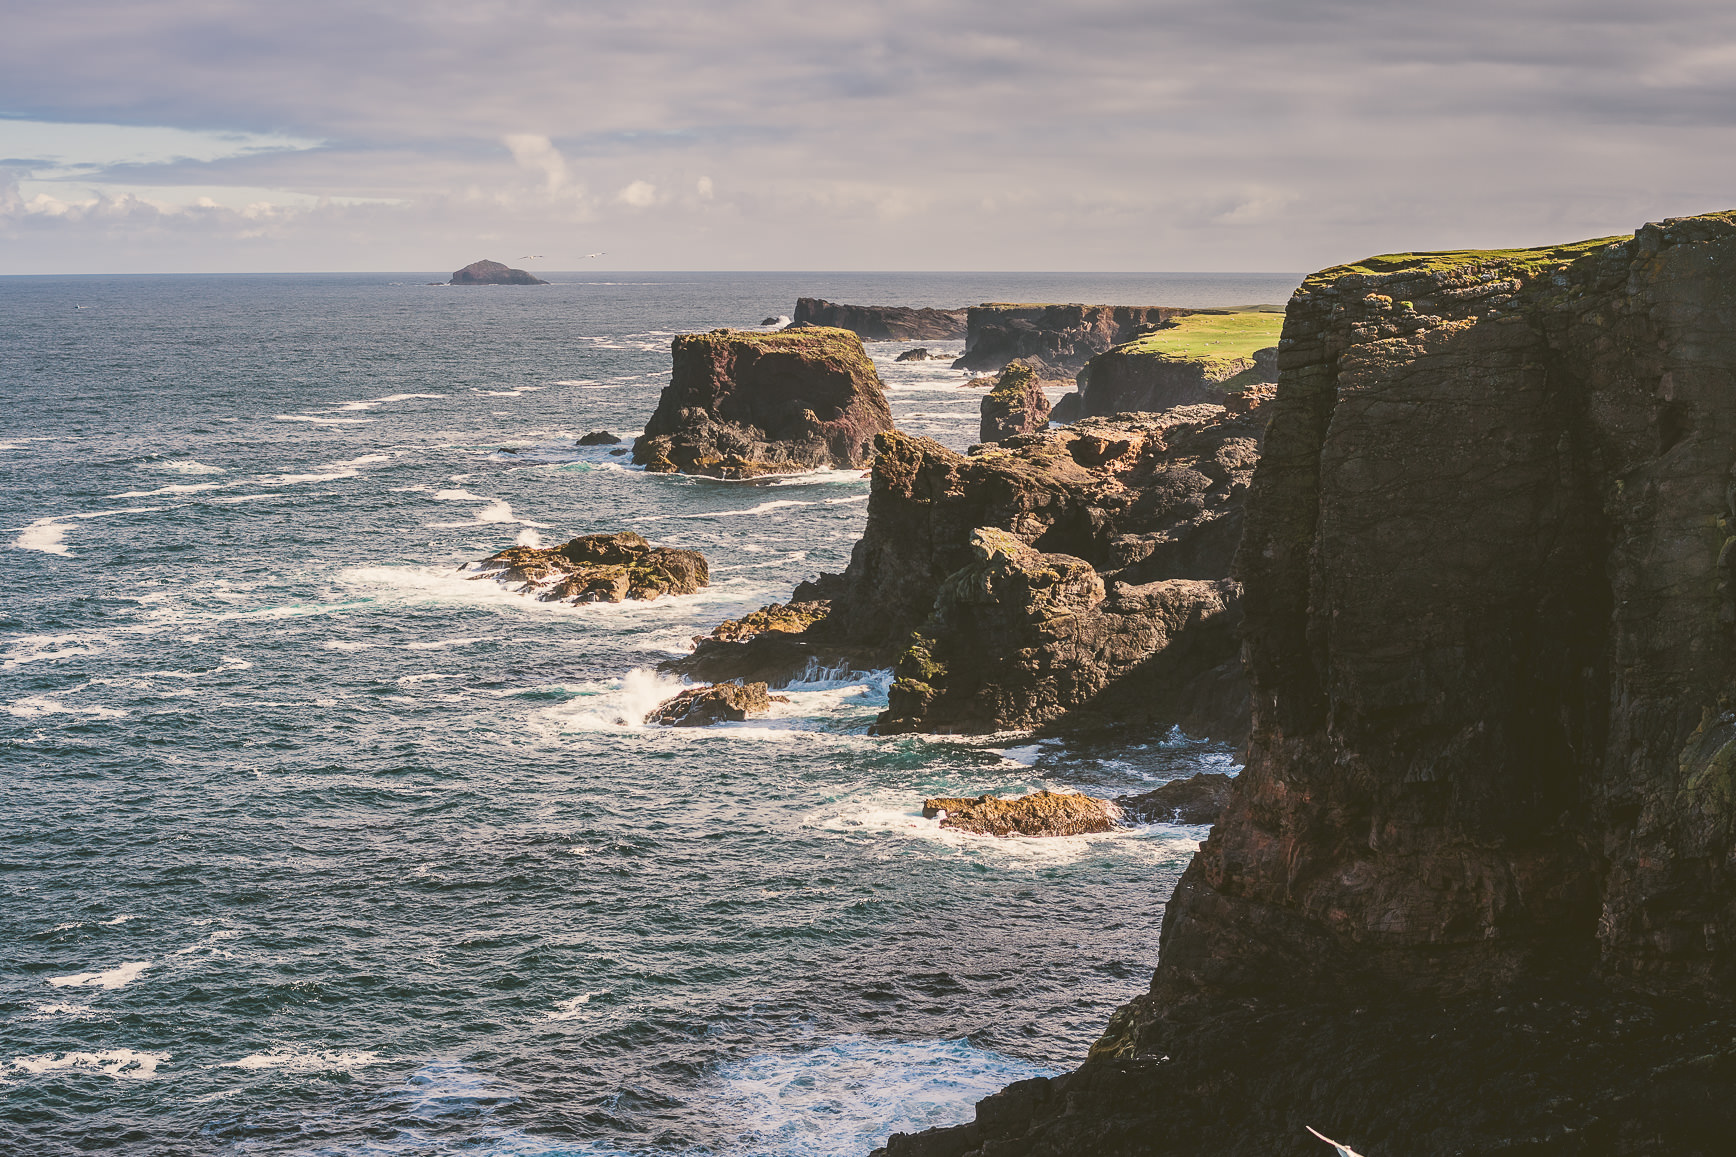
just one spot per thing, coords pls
(313, 844)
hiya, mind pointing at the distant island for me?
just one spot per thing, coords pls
(493, 273)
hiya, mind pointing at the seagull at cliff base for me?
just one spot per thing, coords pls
(1343, 1150)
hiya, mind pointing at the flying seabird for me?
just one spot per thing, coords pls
(588, 256)
(1343, 1150)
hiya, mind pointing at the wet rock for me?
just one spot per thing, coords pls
(882, 322)
(493, 273)
(919, 354)
(719, 703)
(770, 320)
(599, 568)
(792, 618)
(599, 438)
(1198, 799)
(1044, 813)
(742, 403)
(1015, 406)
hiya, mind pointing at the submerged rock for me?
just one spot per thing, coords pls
(599, 438)
(493, 273)
(1015, 406)
(882, 322)
(718, 703)
(599, 568)
(1044, 813)
(1198, 799)
(742, 403)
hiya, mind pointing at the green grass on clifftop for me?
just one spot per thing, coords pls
(1211, 336)
(1515, 262)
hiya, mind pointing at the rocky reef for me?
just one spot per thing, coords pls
(1056, 340)
(1202, 357)
(1042, 813)
(1476, 888)
(882, 322)
(493, 273)
(598, 568)
(718, 703)
(1016, 405)
(741, 403)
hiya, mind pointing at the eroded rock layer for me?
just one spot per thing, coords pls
(742, 403)
(882, 322)
(1055, 339)
(1016, 405)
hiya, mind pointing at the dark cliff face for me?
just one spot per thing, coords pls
(493, 273)
(882, 322)
(1057, 339)
(740, 404)
(1016, 405)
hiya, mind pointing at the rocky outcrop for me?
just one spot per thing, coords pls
(882, 322)
(1203, 357)
(598, 568)
(742, 403)
(599, 438)
(1057, 340)
(1015, 406)
(719, 703)
(1486, 836)
(1042, 813)
(493, 273)
(919, 354)
(1198, 799)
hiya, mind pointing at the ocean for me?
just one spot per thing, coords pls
(314, 844)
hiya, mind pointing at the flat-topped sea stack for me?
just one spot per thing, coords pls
(1057, 340)
(1200, 357)
(599, 568)
(741, 403)
(493, 273)
(882, 322)
(1016, 405)
(1475, 891)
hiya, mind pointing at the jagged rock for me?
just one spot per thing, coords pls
(1201, 357)
(1484, 848)
(493, 273)
(599, 438)
(742, 403)
(919, 354)
(792, 618)
(1044, 813)
(719, 703)
(882, 322)
(599, 568)
(1056, 340)
(1198, 799)
(1015, 406)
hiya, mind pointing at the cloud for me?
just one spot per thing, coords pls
(704, 188)
(537, 153)
(639, 194)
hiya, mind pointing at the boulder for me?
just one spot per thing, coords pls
(1015, 406)
(1198, 799)
(882, 322)
(599, 568)
(599, 438)
(742, 403)
(919, 354)
(719, 703)
(1056, 340)
(493, 273)
(1044, 813)
(1068, 408)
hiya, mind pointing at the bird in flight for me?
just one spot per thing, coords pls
(1343, 1150)
(533, 257)
(588, 256)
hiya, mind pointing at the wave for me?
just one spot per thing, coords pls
(172, 488)
(117, 977)
(188, 466)
(110, 1063)
(295, 1059)
(34, 707)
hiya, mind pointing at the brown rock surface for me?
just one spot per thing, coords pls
(719, 703)
(493, 273)
(1198, 799)
(882, 322)
(599, 568)
(1043, 813)
(742, 403)
(1015, 406)
(1057, 339)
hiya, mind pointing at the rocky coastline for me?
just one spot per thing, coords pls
(881, 322)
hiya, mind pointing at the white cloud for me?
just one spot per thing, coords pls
(638, 195)
(537, 153)
(703, 188)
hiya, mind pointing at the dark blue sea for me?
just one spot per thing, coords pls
(312, 844)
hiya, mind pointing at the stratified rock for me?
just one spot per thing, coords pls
(919, 354)
(1484, 849)
(1044, 813)
(1015, 406)
(882, 322)
(599, 438)
(1202, 357)
(741, 403)
(1057, 340)
(719, 703)
(599, 568)
(493, 273)
(1198, 799)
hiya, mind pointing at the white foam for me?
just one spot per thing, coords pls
(117, 920)
(291, 479)
(110, 1063)
(573, 1007)
(246, 498)
(172, 488)
(434, 645)
(34, 707)
(615, 704)
(528, 537)
(118, 977)
(318, 420)
(298, 1060)
(189, 466)
(46, 535)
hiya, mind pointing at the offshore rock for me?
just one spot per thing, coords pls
(882, 322)
(1056, 339)
(919, 354)
(1203, 357)
(1484, 848)
(493, 273)
(1043, 813)
(1015, 406)
(1198, 799)
(719, 703)
(599, 568)
(599, 438)
(741, 403)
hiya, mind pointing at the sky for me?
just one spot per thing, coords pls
(1100, 135)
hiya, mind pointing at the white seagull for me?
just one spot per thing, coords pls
(1343, 1150)
(588, 256)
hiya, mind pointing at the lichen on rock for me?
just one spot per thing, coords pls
(1016, 405)
(1042, 813)
(718, 703)
(598, 568)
